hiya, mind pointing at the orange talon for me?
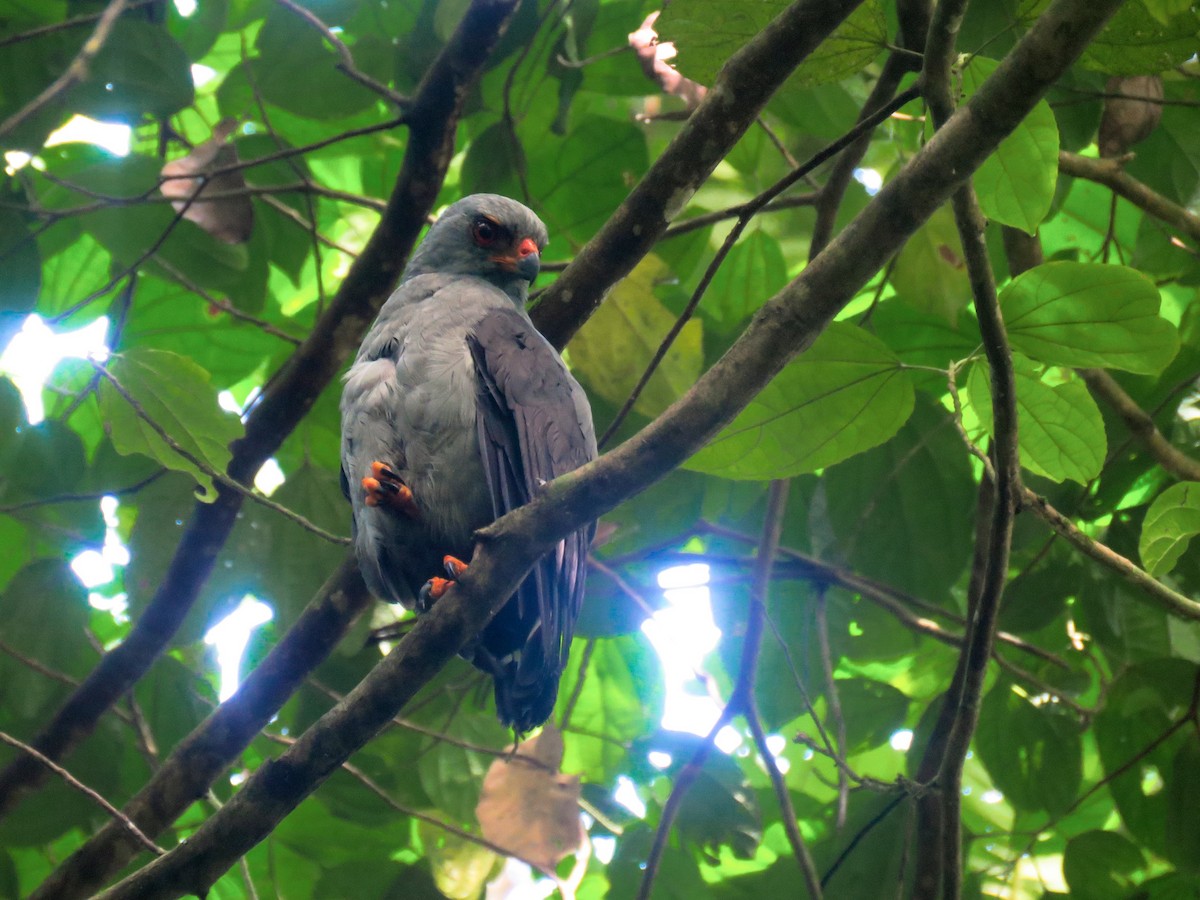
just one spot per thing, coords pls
(383, 487)
(438, 587)
(454, 566)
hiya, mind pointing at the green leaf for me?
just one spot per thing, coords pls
(1137, 41)
(752, 272)
(1143, 703)
(846, 394)
(621, 698)
(297, 72)
(707, 33)
(141, 70)
(1183, 799)
(174, 393)
(1085, 314)
(722, 810)
(1170, 524)
(1016, 183)
(578, 179)
(71, 274)
(918, 484)
(22, 272)
(1102, 865)
(616, 344)
(873, 712)
(930, 273)
(1060, 429)
(1033, 753)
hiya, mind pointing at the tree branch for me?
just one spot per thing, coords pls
(737, 96)
(1109, 173)
(1172, 601)
(118, 817)
(216, 743)
(288, 397)
(945, 867)
(76, 72)
(1139, 422)
(507, 549)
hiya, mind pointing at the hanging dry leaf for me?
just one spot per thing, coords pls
(531, 809)
(1126, 119)
(227, 218)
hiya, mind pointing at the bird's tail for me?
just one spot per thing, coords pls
(526, 688)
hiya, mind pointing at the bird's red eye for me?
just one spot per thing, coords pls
(485, 232)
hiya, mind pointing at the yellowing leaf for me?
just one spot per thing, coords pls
(846, 394)
(616, 345)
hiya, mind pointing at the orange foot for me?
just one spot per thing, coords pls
(385, 488)
(435, 588)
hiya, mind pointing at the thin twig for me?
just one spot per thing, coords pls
(1172, 601)
(346, 59)
(208, 470)
(369, 783)
(78, 785)
(834, 706)
(76, 72)
(744, 218)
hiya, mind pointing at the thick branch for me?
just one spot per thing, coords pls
(740, 92)
(1109, 173)
(507, 549)
(217, 743)
(1139, 422)
(433, 120)
(999, 509)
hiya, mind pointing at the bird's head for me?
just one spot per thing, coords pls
(487, 236)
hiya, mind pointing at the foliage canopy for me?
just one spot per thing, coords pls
(851, 491)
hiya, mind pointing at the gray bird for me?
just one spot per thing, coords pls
(455, 411)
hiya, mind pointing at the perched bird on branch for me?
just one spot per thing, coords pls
(456, 411)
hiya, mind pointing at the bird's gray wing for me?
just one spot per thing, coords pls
(533, 425)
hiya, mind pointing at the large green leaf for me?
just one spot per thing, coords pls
(1171, 523)
(1103, 865)
(297, 72)
(1016, 183)
(616, 344)
(1141, 706)
(1081, 314)
(1033, 753)
(620, 698)
(750, 275)
(919, 483)
(846, 394)
(1137, 41)
(1059, 427)
(140, 70)
(173, 393)
(707, 33)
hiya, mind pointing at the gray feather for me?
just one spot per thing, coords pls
(459, 394)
